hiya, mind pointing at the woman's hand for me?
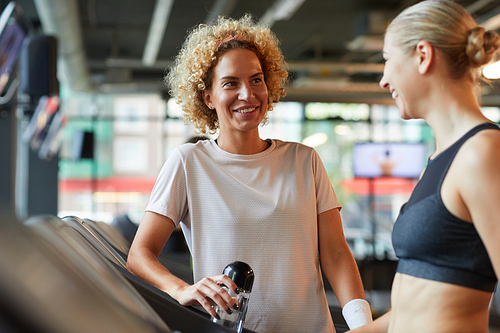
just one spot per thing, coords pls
(210, 291)
(149, 240)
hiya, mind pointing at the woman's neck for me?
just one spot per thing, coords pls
(248, 144)
(452, 113)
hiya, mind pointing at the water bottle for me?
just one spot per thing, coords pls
(242, 275)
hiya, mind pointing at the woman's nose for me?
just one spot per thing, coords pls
(245, 92)
(383, 83)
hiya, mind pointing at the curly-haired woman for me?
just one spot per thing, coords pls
(268, 203)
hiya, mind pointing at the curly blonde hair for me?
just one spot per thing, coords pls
(192, 70)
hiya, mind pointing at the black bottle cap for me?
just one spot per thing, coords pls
(241, 273)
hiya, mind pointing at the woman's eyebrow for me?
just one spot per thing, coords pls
(230, 77)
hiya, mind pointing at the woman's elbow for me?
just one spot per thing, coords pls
(133, 261)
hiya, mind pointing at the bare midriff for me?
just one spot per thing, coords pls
(420, 305)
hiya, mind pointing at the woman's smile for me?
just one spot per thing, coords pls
(239, 93)
(245, 110)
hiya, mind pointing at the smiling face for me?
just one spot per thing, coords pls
(399, 77)
(238, 92)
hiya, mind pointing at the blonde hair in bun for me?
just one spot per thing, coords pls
(481, 46)
(449, 28)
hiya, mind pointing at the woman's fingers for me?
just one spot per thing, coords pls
(209, 291)
(226, 280)
(219, 295)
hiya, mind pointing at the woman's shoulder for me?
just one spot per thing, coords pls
(190, 147)
(292, 145)
(188, 150)
(479, 157)
(295, 150)
(482, 147)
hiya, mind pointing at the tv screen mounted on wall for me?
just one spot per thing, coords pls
(405, 160)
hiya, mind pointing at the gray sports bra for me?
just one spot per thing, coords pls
(432, 243)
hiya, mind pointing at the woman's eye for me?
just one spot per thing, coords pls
(229, 84)
(257, 80)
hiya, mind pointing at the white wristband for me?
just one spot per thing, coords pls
(357, 313)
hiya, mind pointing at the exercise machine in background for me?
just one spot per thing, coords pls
(30, 120)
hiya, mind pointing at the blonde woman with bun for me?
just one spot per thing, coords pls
(447, 235)
(268, 203)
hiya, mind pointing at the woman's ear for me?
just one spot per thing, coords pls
(207, 98)
(426, 56)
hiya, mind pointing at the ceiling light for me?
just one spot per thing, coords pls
(281, 10)
(492, 71)
(156, 31)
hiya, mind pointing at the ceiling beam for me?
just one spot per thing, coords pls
(478, 5)
(316, 67)
(491, 20)
(326, 68)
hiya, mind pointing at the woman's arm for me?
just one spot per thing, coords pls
(341, 270)
(479, 189)
(381, 325)
(336, 258)
(154, 231)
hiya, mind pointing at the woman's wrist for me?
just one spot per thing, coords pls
(357, 313)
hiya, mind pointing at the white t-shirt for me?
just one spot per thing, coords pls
(260, 209)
